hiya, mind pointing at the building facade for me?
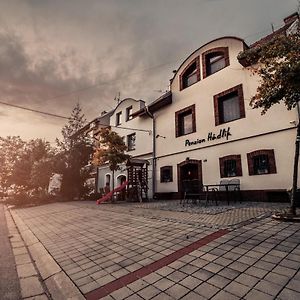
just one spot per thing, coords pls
(137, 135)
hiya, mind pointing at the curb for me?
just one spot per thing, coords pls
(57, 284)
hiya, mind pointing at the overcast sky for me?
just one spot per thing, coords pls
(54, 53)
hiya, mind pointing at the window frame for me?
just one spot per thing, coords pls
(128, 114)
(182, 76)
(210, 52)
(218, 99)
(178, 114)
(118, 118)
(128, 138)
(163, 169)
(237, 159)
(271, 161)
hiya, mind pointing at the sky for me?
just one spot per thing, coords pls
(56, 53)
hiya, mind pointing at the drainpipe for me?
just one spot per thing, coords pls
(153, 150)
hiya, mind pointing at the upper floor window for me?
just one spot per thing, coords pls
(215, 60)
(190, 75)
(185, 121)
(128, 113)
(230, 166)
(166, 174)
(261, 162)
(229, 105)
(131, 141)
(118, 118)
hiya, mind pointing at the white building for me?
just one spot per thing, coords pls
(137, 135)
(206, 130)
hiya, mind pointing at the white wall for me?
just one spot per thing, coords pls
(201, 94)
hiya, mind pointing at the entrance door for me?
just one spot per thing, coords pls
(189, 170)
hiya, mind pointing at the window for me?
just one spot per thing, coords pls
(166, 174)
(214, 60)
(261, 162)
(185, 121)
(190, 75)
(128, 113)
(230, 166)
(131, 141)
(118, 118)
(229, 105)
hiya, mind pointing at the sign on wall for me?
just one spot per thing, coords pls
(211, 136)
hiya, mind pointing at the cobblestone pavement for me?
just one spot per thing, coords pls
(141, 251)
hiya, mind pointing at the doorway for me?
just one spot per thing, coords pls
(189, 171)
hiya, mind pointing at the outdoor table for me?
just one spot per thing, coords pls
(216, 188)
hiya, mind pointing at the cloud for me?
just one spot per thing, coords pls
(54, 53)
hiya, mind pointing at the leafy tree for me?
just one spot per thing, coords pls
(278, 65)
(110, 150)
(34, 151)
(75, 152)
(11, 149)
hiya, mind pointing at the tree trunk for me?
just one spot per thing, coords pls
(295, 173)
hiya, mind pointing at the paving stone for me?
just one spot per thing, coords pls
(212, 267)
(206, 290)
(222, 295)
(294, 285)
(26, 270)
(229, 273)
(190, 282)
(148, 292)
(164, 284)
(122, 293)
(258, 295)
(277, 278)
(177, 291)
(218, 281)
(39, 297)
(257, 272)
(237, 289)
(284, 271)
(138, 285)
(192, 296)
(248, 280)
(268, 287)
(177, 276)
(30, 287)
(288, 294)
(203, 274)
(162, 296)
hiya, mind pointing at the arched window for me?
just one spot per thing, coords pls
(214, 60)
(190, 75)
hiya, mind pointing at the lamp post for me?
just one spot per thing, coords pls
(296, 162)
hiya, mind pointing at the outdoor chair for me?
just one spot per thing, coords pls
(235, 188)
(192, 191)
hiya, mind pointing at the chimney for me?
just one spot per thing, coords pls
(291, 18)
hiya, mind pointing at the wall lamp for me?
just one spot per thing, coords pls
(158, 135)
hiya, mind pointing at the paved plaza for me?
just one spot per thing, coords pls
(158, 250)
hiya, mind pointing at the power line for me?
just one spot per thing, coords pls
(63, 117)
(33, 110)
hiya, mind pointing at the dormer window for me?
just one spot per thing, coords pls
(128, 113)
(214, 60)
(190, 75)
(118, 118)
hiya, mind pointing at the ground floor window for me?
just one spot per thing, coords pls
(261, 162)
(230, 166)
(166, 174)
